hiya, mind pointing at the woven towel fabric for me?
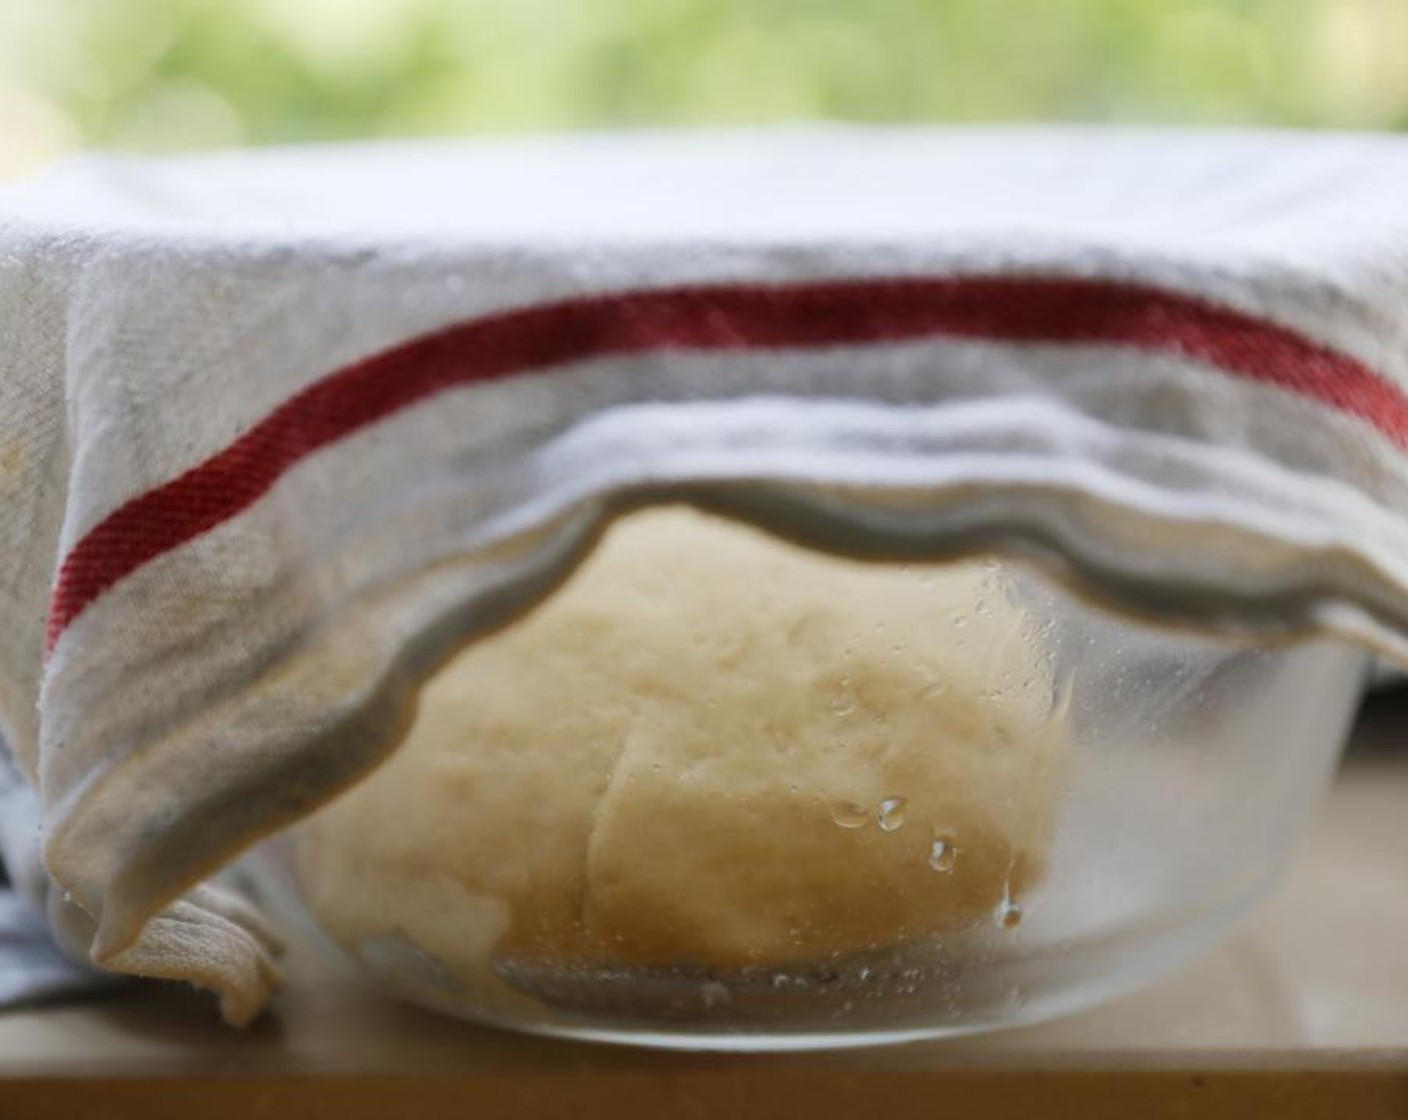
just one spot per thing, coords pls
(281, 430)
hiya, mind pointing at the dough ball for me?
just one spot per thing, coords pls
(709, 749)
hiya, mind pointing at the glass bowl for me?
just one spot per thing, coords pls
(720, 792)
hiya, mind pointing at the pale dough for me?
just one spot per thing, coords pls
(709, 749)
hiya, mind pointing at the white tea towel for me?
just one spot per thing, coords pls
(281, 430)
(216, 937)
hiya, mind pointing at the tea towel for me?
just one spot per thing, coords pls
(281, 430)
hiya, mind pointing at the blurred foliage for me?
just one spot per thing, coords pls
(169, 74)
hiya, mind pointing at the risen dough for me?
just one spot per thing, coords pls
(709, 749)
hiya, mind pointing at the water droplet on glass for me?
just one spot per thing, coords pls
(780, 980)
(847, 814)
(1060, 700)
(842, 702)
(891, 814)
(960, 620)
(1009, 912)
(943, 855)
(715, 994)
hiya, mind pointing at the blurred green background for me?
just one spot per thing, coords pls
(172, 74)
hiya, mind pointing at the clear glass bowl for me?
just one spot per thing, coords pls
(1171, 777)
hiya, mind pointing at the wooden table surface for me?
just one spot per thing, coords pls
(1303, 1011)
